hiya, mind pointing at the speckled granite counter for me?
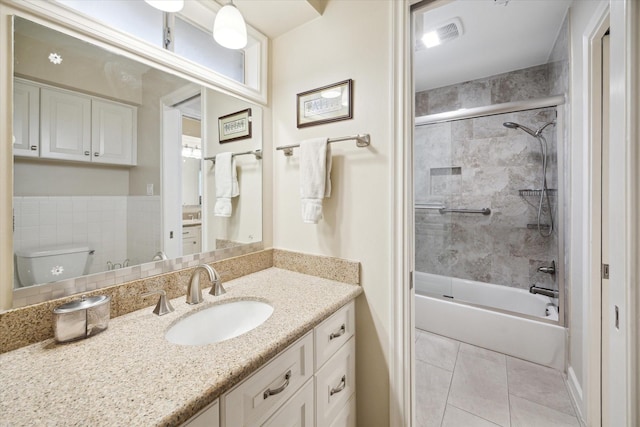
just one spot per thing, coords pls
(130, 375)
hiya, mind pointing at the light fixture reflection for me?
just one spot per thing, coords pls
(229, 28)
(167, 5)
(431, 39)
(331, 93)
(191, 152)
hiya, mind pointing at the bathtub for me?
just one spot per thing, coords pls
(461, 318)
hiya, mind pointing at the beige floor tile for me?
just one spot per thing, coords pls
(436, 350)
(525, 413)
(538, 384)
(479, 385)
(432, 388)
(482, 352)
(454, 417)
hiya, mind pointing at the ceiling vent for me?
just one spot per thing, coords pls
(445, 32)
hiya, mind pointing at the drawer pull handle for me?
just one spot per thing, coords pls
(341, 332)
(341, 386)
(34, 148)
(280, 389)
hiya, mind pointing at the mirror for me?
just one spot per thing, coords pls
(103, 177)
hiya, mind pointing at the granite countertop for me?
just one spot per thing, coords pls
(129, 375)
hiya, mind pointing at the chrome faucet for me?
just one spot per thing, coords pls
(551, 293)
(194, 291)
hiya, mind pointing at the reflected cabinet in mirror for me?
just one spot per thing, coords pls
(110, 178)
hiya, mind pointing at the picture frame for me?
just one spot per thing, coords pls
(325, 104)
(235, 126)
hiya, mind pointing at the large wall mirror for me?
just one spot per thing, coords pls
(110, 169)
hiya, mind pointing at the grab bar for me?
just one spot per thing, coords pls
(483, 211)
(444, 209)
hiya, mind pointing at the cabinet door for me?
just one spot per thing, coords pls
(26, 119)
(333, 332)
(347, 415)
(208, 417)
(296, 412)
(113, 133)
(65, 126)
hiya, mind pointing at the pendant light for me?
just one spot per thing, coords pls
(167, 5)
(229, 28)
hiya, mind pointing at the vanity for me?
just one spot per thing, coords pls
(297, 365)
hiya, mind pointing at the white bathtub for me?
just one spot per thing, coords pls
(537, 341)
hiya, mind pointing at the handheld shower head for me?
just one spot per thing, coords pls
(512, 125)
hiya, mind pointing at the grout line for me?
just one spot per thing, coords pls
(475, 415)
(506, 366)
(446, 402)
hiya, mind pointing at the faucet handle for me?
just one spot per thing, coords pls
(164, 306)
(217, 289)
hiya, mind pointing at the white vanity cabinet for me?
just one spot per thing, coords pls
(26, 119)
(311, 383)
(191, 239)
(60, 124)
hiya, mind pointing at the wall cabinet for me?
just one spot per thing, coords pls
(311, 383)
(73, 126)
(26, 119)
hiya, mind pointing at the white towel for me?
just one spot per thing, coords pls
(226, 183)
(315, 181)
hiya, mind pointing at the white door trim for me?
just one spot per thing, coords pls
(401, 336)
(623, 213)
(593, 128)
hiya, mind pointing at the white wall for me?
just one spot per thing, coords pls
(581, 14)
(352, 39)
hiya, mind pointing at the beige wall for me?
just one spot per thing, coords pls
(352, 39)
(191, 127)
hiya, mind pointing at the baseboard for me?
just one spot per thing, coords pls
(575, 391)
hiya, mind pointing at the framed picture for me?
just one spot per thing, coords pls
(325, 105)
(233, 127)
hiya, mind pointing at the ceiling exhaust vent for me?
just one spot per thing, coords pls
(445, 32)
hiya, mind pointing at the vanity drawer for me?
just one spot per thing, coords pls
(255, 399)
(347, 415)
(191, 232)
(333, 332)
(208, 417)
(335, 384)
(298, 411)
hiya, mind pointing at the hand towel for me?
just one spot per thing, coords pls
(226, 183)
(315, 181)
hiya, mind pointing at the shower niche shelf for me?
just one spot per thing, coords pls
(536, 193)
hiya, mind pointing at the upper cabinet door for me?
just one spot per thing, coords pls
(26, 119)
(65, 125)
(113, 133)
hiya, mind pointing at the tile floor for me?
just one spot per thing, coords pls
(460, 385)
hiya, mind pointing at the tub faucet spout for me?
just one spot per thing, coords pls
(194, 291)
(543, 291)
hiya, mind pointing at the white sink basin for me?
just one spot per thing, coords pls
(219, 322)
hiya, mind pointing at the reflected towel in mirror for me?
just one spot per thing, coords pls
(227, 187)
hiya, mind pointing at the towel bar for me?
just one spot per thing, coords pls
(362, 140)
(257, 153)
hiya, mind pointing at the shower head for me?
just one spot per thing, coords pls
(512, 125)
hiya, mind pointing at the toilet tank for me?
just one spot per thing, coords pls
(51, 264)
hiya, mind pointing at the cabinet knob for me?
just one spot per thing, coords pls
(96, 154)
(86, 153)
(34, 148)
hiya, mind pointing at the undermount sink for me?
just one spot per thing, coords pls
(219, 322)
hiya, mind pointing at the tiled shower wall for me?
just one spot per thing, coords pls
(474, 164)
(105, 224)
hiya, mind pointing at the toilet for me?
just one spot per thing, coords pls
(51, 264)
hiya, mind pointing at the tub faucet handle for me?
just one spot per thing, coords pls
(164, 306)
(550, 269)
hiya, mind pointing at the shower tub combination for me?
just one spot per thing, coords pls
(485, 315)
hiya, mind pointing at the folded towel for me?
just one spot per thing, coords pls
(226, 184)
(315, 181)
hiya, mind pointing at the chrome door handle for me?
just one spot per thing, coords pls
(280, 389)
(341, 386)
(340, 332)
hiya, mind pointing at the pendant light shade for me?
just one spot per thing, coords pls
(229, 29)
(167, 5)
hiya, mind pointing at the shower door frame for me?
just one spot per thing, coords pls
(559, 103)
